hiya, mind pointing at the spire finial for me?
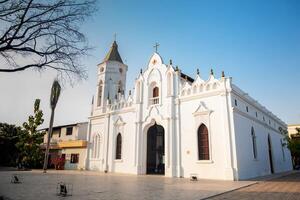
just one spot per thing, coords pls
(185, 78)
(115, 37)
(223, 74)
(198, 72)
(171, 62)
(141, 71)
(129, 92)
(176, 68)
(156, 46)
(211, 72)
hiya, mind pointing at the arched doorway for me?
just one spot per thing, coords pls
(270, 154)
(155, 150)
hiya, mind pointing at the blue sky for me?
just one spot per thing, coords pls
(255, 42)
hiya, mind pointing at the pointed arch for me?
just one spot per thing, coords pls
(215, 86)
(254, 145)
(282, 148)
(207, 87)
(155, 92)
(119, 147)
(195, 89)
(270, 154)
(201, 88)
(96, 146)
(203, 143)
(120, 87)
(100, 93)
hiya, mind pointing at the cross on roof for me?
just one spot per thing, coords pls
(156, 46)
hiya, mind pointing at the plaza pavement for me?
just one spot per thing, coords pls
(94, 185)
(285, 187)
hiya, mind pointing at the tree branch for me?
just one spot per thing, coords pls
(45, 33)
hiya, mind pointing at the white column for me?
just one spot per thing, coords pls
(106, 140)
(88, 149)
(228, 153)
(176, 121)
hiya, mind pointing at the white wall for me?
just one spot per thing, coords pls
(215, 167)
(125, 124)
(248, 167)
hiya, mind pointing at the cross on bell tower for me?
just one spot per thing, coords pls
(156, 46)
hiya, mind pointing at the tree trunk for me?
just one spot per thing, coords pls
(48, 141)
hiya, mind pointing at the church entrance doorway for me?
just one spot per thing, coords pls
(156, 150)
(270, 154)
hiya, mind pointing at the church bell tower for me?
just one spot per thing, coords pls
(111, 77)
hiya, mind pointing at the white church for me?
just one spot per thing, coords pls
(178, 126)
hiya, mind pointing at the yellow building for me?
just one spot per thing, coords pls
(68, 142)
(292, 129)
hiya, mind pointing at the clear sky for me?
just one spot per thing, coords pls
(255, 42)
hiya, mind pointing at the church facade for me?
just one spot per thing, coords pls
(178, 126)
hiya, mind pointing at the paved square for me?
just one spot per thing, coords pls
(281, 188)
(95, 185)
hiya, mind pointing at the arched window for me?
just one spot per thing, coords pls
(282, 148)
(119, 147)
(120, 87)
(254, 148)
(100, 91)
(155, 92)
(96, 146)
(203, 143)
(155, 96)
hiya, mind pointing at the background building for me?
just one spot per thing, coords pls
(292, 129)
(69, 142)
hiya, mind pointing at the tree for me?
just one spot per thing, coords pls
(9, 136)
(44, 35)
(30, 152)
(55, 93)
(293, 143)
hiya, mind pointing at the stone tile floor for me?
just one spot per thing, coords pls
(95, 185)
(281, 188)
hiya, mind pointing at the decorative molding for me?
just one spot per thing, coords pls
(200, 95)
(151, 113)
(202, 110)
(119, 122)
